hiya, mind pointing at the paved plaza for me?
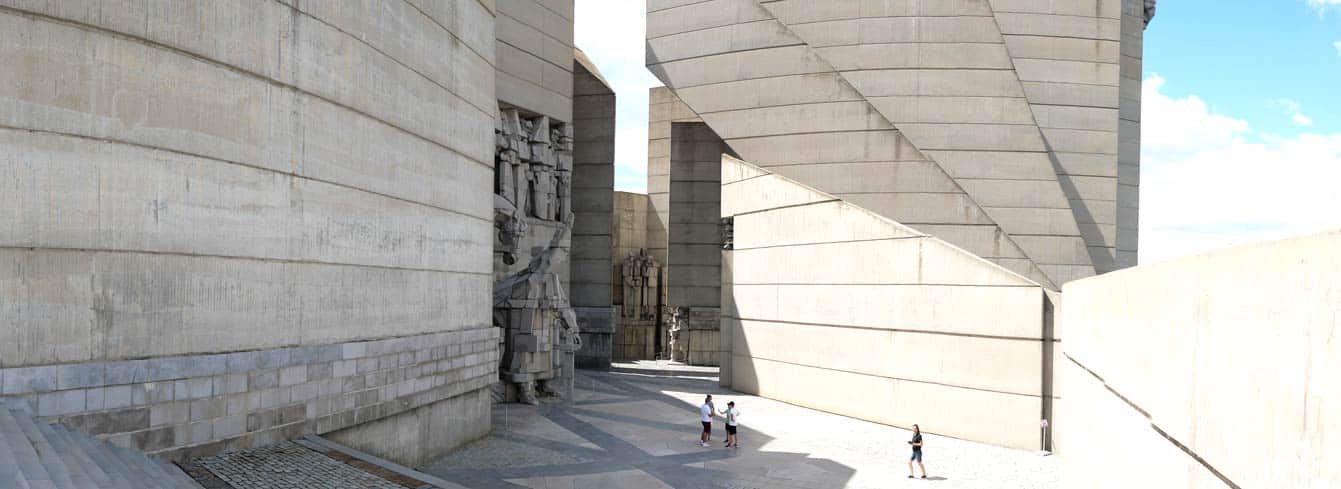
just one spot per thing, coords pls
(639, 431)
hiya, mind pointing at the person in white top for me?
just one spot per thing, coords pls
(706, 412)
(732, 416)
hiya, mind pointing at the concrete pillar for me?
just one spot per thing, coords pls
(593, 204)
(694, 251)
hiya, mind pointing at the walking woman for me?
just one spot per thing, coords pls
(916, 443)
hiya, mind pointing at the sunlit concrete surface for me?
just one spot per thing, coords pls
(633, 430)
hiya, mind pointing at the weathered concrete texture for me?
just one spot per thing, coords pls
(694, 256)
(535, 56)
(220, 202)
(990, 124)
(1185, 373)
(425, 433)
(634, 338)
(186, 406)
(593, 206)
(1129, 132)
(831, 306)
(663, 110)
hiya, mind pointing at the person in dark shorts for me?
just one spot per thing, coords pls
(916, 443)
(706, 412)
(732, 421)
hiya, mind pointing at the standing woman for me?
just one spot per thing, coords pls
(732, 416)
(916, 443)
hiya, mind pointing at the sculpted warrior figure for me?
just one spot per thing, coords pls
(679, 324)
(651, 272)
(633, 285)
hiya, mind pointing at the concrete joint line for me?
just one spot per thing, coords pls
(248, 165)
(900, 379)
(242, 71)
(894, 330)
(231, 257)
(1187, 450)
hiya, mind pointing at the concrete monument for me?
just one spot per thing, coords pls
(1008, 129)
(282, 224)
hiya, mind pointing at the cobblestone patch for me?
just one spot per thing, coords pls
(287, 465)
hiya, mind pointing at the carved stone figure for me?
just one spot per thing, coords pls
(1149, 11)
(633, 286)
(679, 325)
(540, 328)
(651, 271)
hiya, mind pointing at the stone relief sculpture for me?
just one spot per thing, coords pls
(532, 175)
(539, 326)
(533, 165)
(1149, 11)
(641, 274)
(679, 348)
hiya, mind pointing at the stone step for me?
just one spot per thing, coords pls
(69, 457)
(147, 473)
(9, 434)
(134, 462)
(80, 452)
(97, 452)
(27, 463)
(37, 455)
(160, 473)
(55, 467)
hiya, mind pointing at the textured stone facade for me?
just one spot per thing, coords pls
(593, 205)
(635, 336)
(831, 306)
(239, 222)
(185, 406)
(991, 124)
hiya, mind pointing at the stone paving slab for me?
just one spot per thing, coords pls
(644, 430)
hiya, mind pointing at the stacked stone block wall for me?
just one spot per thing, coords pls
(192, 405)
(593, 204)
(216, 201)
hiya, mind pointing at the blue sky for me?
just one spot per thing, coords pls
(1244, 57)
(1241, 117)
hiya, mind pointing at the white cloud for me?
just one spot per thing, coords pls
(1323, 5)
(1209, 181)
(611, 33)
(1337, 45)
(1293, 110)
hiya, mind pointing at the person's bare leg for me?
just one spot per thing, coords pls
(910, 468)
(919, 464)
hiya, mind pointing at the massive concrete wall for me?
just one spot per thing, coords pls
(1215, 371)
(593, 206)
(664, 108)
(535, 56)
(634, 339)
(828, 305)
(694, 253)
(990, 124)
(235, 222)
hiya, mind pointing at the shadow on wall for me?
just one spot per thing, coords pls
(1185, 373)
(832, 307)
